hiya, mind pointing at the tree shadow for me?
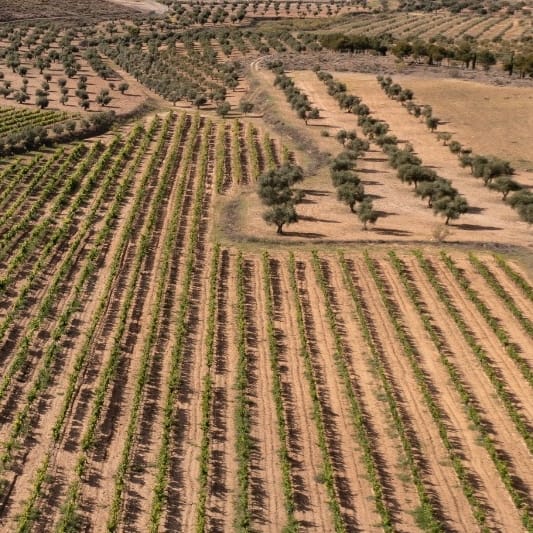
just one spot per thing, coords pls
(369, 171)
(390, 231)
(385, 214)
(303, 234)
(476, 210)
(314, 219)
(474, 227)
(376, 159)
(315, 192)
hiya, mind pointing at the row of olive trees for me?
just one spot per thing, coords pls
(496, 173)
(443, 198)
(298, 100)
(350, 190)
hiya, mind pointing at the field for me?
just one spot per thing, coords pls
(31, 10)
(169, 362)
(425, 25)
(91, 388)
(498, 109)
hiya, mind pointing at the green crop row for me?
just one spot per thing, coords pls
(437, 413)
(236, 165)
(22, 195)
(207, 392)
(359, 417)
(427, 514)
(500, 461)
(318, 415)
(515, 277)
(242, 410)
(108, 372)
(253, 154)
(63, 322)
(29, 514)
(497, 381)
(288, 490)
(65, 193)
(496, 286)
(169, 408)
(164, 264)
(45, 307)
(220, 152)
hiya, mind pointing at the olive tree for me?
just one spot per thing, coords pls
(450, 207)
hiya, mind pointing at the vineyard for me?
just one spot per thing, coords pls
(260, 273)
(319, 389)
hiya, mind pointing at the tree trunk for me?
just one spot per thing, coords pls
(447, 220)
(352, 209)
(280, 229)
